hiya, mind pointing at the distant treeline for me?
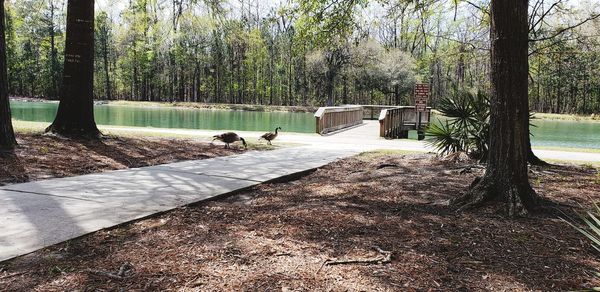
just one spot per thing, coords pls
(247, 52)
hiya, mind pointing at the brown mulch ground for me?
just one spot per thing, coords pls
(41, 156)
(281, 236)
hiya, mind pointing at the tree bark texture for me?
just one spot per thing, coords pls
(75, 116)
(7, 134)
(506, 177)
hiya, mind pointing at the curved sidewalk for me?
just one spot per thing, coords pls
(39, 214)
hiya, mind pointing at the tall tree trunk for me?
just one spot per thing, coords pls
(345, 89)
(7, 134)
(75, 116)
(506, 177)
(181, 92)
(136, 72)
(290, 72)
(106, 68)
(329, 88)
(304, 77)
(271, 68)
(53, 54)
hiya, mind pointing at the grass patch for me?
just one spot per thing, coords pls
(46, 156)
(567, 117)
(567, 149)
(586, 164)
(25, 127)
(148, 132)
(384, 152)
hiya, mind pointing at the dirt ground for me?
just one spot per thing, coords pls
(388, 211)
(42, 157)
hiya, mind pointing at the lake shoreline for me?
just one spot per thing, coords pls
(38, 127)
(270, 108)
(186, 105)
(566, 117)
(556, 131)
(215, 106)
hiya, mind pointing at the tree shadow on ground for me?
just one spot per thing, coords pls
(432, 243)
(12, 169)
(46, 156)
(280, 235)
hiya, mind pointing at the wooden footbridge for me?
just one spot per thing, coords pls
(394, 121)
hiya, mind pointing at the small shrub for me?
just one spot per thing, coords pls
(467, 126)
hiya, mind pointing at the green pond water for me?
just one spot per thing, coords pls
(175, 118)
(569, 134)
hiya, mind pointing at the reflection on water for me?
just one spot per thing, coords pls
(176, 118)
(583, 134)
(571, 134)
(557, 133)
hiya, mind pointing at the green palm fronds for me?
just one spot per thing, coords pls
(467, 126)
(592, 221)
(444, 138)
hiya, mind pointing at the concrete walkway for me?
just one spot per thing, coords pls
(39, 214)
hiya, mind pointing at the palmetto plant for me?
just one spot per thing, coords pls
(592, 220)
(592, 232)
(466, 124)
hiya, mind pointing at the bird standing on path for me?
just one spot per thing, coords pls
(229, 138)
(270, 136)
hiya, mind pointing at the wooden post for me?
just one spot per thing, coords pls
(318, 122)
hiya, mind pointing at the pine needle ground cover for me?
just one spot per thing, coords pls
(367, 223)
(42, 157)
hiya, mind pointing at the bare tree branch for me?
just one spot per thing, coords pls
(563, 30)
(532, 27)
(484, 10)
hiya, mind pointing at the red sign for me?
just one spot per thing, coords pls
(421, 97)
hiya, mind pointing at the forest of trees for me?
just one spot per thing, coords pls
(250, 51)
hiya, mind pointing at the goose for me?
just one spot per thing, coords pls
(270, 136)
(229, 138)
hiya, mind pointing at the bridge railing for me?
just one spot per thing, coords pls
(331, 119)
(395, 123)
(372, 112)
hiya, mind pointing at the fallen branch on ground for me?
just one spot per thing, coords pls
(118, 276)
(103, 274)
(12, 275)
(385, 165)
(123, 269)
(384, 258)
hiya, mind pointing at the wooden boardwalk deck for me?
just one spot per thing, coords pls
(367, 130)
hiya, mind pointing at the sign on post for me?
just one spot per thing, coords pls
(421, 97)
